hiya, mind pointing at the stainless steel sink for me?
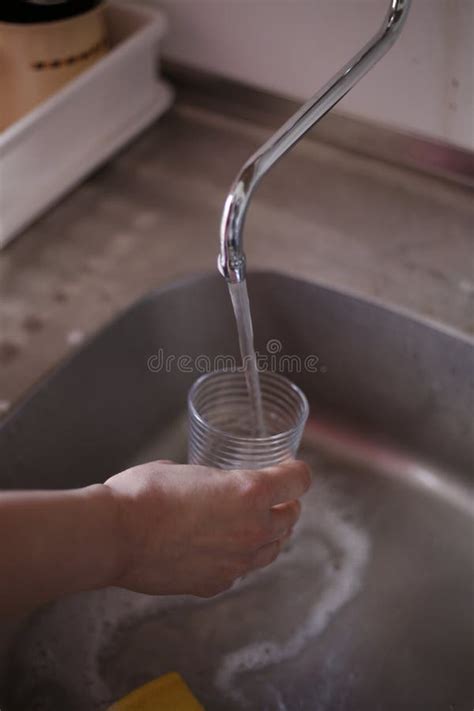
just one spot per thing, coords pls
(371, 605)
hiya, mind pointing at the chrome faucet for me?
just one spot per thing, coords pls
(231, 260)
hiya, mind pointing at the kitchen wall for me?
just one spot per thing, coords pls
(424, 85)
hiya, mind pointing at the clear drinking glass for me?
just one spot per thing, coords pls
(221, 424)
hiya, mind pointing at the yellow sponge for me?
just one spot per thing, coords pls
(168, 693)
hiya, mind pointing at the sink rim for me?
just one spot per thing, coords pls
(200, 276)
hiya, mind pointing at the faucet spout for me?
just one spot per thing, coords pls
(231, 260)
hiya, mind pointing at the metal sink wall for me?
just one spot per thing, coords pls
(371, 608)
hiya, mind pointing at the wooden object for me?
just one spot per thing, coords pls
(37, 59)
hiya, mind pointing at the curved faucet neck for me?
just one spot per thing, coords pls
(231, 260)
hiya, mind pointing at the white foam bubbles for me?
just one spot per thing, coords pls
(325, 533)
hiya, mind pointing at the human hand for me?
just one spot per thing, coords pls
(186, 529)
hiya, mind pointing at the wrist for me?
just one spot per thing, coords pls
(109, 559)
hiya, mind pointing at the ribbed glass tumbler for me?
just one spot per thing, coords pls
(221, 424)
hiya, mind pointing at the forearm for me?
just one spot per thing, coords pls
(56, 542)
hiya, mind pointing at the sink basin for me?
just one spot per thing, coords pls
(370, 606)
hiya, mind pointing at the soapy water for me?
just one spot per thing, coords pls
(86, 650)
(342, 585)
